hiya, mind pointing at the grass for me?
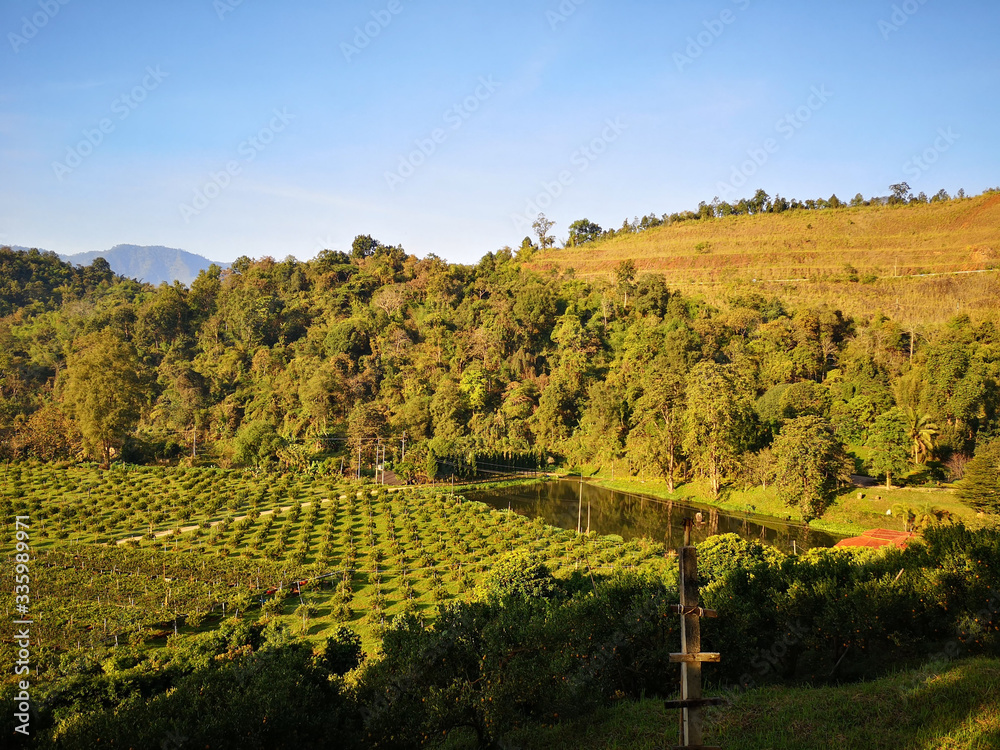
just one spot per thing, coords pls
(951, 706)
(861, 260)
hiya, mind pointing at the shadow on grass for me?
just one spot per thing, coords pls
(954, 706)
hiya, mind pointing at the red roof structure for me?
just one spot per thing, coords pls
(878, 538)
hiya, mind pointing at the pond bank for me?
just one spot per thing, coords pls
(590, 507)
(851, 513)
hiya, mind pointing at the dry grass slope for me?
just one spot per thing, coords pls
(958, 235)
(803, 256)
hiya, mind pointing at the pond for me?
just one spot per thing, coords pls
(631, 516)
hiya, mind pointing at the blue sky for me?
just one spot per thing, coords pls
(256, 128)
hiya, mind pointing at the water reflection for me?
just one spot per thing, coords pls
(567, 503)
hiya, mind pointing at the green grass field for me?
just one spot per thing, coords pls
(951, 706)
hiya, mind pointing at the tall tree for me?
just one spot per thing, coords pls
(889, 440)
(921, 431)
(542, 225)
(980, 486)
(625, 280)
(105, 392)
(900, 192)
(583, 231)
(659, 417)
(811, 465)
(719, 422)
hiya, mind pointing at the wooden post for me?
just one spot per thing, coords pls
(579, 507)
(690, 640)
(691, 657)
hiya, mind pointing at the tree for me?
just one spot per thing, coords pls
(980, 486)
(810, 465)
(342, 651)
(718, 423)
(658, 415)
(625, 279)
(364, 246)
(889, 441)
(761, 201)
(526, 251)
(921, 431)
(541, 225)
(182, 402)
(900, 192)
(583, 231)
(367, 424)
(256, 443)
(105, 391)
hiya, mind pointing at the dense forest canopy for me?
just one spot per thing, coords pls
(285, 363)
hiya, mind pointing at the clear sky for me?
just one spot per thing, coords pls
(258, 127)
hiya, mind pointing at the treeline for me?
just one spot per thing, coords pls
(35, 282)
(583, 231)
(377, 355)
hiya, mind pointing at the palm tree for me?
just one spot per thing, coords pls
(921, 431)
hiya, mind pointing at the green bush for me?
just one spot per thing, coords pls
(519, 574)
(492, 666)
(834, 613)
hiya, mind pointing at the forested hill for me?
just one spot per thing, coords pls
(287, 363)
(33, 281)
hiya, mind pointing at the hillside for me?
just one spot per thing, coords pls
(152, 264)
(956, 235)
(855, 257)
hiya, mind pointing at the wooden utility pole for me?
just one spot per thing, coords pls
(691, 657)
(579, 508)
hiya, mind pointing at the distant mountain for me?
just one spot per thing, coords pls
(153, 264)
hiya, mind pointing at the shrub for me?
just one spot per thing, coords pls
(518, 574)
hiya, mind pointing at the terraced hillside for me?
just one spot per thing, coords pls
(944, 237)
(919, 263)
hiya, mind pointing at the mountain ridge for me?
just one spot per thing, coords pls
(153, 264)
